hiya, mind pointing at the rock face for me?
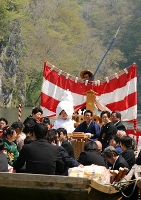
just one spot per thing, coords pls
(10, 53)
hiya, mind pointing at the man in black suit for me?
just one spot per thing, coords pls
(114, 158)
(90, 155)
(116, 119)
(40, 156)
(64, 142)
(69, 162)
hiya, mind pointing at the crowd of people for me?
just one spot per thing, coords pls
(34, 147)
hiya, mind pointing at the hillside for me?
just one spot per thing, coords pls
(72, 35)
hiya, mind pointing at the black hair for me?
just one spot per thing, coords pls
(1, 144)
(19, 125)
(88, 111)
(118, 114)
(40, 130)
(28, 139)
(3, 119)
(91, 145)
(28, 127)
(105, 112)
(51, 136)
(63, 130)
(46, 120)
(9, 131)
(36, 110)
(116, 138)
(126, 141)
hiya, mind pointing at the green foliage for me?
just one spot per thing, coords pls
(71, 34)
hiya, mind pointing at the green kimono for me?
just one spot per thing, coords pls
(12, 151)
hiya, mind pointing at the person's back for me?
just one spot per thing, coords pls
(90, 155)
(40, 156)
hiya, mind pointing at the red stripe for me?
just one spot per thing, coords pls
(51, 103)
(127, 102)
(80, 88)
(117, 83)
(61, 81)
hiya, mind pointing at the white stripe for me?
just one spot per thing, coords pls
(47, 112)
(120, 93)
(129, 114)
(56, 92)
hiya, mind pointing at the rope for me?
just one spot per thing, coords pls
(121, 186)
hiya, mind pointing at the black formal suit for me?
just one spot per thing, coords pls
(120, 162)
(91, 157)
(41, 157)
(129, 156)
(106, 131)
(3, 162)
(119, 125)
(68, 147)
(69, 162)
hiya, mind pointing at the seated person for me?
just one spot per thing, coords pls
(64, 112)
(112, 156)
(90, 155)
(121, 133)
(89, 126)
(40, 156)
(128, 152)
(3, 124)
(35, 116)
(115, 142)
(107, 130)
(99, 146)
(12, 151)
(68, 161)
(116, 119)
(46, 121)
(64, 142)
(3, 158)
(18, 127)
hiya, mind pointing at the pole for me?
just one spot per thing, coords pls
(105, 54)
(19, 112)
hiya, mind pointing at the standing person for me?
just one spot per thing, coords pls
(18, 127)
(89, 126)
(107, 129)
(116, 119)
(64, 142)
(35, 116)
(12, 151)
(3, 158)
(86, 75)
(40, 156)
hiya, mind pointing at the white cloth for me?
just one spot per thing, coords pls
(68, 124)
(67, 107)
